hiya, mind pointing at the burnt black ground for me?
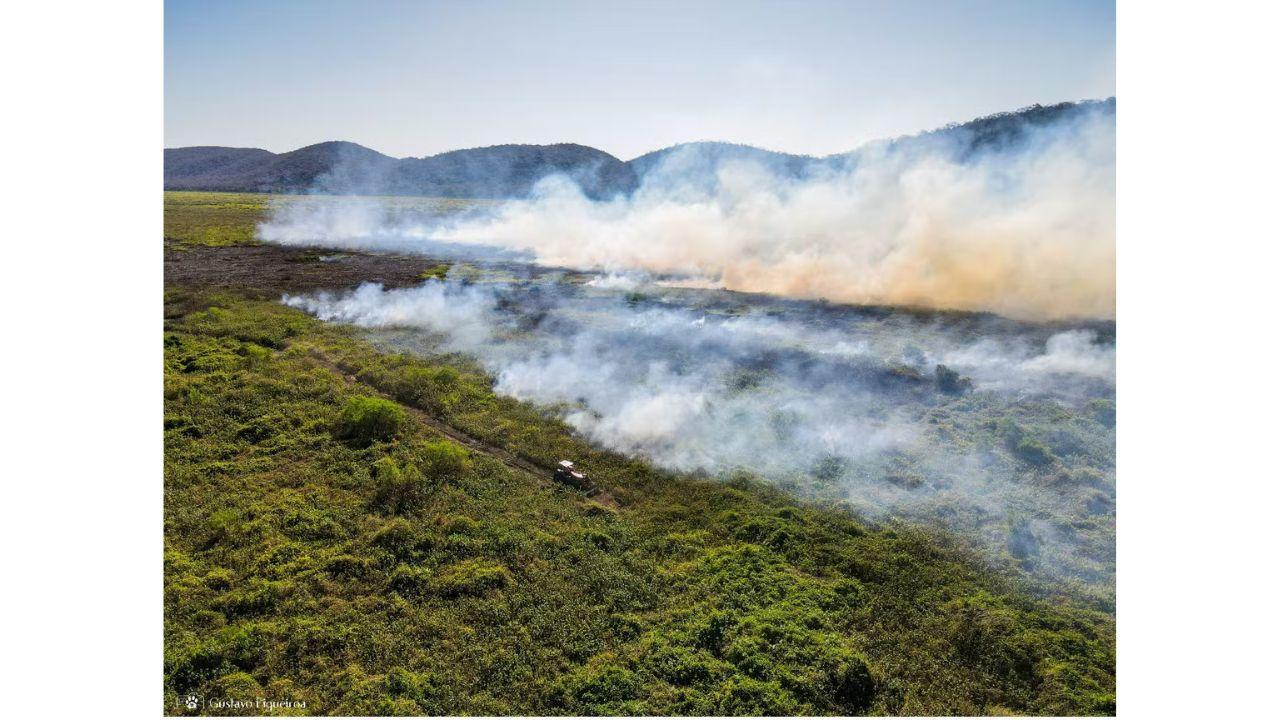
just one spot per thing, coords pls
(272, 269)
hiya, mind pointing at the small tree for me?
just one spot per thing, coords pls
(951, 382)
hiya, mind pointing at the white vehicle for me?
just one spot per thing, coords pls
(566, 474)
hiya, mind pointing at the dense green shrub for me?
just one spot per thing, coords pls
(428, 388)
(365, 420)
(422, 689)
(747, 696)
(398, 539)
(470, 577)
(398, 490)
(951, 382)
(258, 598)
(405, 489)
(218, 579)
(410, 581)
(600, 690)
(225, 526)
(239, 686)
(311, 524)
(680, 665)
(443, 460)
(1034, 452)
(852, 686)
(348, 567)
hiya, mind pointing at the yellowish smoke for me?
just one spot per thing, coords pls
(1028, 234)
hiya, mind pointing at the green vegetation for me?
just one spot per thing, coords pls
(226, 219)
(951, 382)
(439, 271)
(365, 420)
(324, 542)
(212, 219)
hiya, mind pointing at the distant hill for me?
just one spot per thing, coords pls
(696, 162)
(1003, 131)
(505, 171)
(511, 170)
(254, 170)
(706, 156)
(341, 167)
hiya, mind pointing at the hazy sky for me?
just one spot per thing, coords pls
(807, 76)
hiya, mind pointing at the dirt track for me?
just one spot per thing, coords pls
(541, 475)
(270, 269)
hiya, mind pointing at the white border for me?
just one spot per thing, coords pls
(82, 461)
(1197, 342)
(83, 303)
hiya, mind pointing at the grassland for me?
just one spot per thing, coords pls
(220, 219)
(326, 542)
(212, 219)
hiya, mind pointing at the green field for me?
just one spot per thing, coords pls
(218, 219)
(329, 540)
(212, 219)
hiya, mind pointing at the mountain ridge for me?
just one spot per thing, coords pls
(511, 170)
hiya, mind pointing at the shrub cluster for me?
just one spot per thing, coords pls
(365, 420)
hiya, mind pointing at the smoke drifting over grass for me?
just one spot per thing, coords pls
(1026, 231)
(837, 402)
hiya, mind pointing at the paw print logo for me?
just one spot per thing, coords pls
(192, 702)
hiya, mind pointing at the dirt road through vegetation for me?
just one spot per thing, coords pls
(540, 474)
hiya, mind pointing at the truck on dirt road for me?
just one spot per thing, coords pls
(567, 475)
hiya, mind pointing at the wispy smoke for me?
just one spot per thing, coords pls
(1028, 232)
(460, 313)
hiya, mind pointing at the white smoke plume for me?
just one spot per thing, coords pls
(777, 392)
(1028, 234)
(457, 312)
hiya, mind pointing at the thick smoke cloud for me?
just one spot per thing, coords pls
(1027, 232)
(670, 381)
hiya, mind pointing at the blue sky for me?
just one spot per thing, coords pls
(807, 76)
